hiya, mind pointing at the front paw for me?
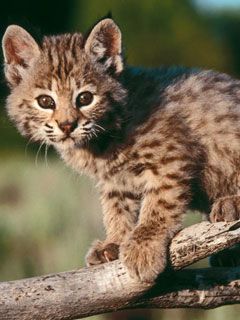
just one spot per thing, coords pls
(144, 260)
(101, 252)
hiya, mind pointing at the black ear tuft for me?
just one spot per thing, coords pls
(108, 15)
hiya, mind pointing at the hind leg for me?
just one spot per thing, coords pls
(225, 209)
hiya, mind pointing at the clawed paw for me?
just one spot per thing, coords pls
(102, 252)
(225, 209)
(144, 260)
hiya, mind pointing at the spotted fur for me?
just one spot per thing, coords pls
(157, 141)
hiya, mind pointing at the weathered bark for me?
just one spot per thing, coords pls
(108, 287)
(201, 240)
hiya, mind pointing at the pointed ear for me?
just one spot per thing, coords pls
(19, 50)
(104, 45)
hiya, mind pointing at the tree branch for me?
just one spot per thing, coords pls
(108, 287)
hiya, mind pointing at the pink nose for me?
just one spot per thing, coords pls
(68, 127)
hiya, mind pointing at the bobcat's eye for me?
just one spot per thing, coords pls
(46, 102)
(84, 99)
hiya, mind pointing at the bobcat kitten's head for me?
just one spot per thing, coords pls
(65, 92)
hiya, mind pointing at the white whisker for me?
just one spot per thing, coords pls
(27, 145)
(94, 133)
(34, 137)
(100, 127)
(38, 152)
(45, 155)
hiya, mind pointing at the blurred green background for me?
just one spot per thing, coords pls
(48, 214)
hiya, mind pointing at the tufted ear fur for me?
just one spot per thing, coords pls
(104, 45)
(19, 50)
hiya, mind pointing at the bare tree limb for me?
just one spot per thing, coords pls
(108, 287)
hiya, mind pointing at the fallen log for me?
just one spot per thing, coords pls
(108, 287)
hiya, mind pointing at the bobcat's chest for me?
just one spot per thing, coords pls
(130, 176)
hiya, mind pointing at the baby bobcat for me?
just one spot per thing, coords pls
(158, 141)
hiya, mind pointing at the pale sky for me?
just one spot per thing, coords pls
(218, 4)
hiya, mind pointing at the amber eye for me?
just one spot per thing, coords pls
(46, 102)
(84, 99)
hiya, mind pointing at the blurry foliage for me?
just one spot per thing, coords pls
(48, 216)
(158, 32)
(226, 28)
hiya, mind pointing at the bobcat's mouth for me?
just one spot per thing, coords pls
(77, 142)
(90, 131)
(81, 136)
(67, 138)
